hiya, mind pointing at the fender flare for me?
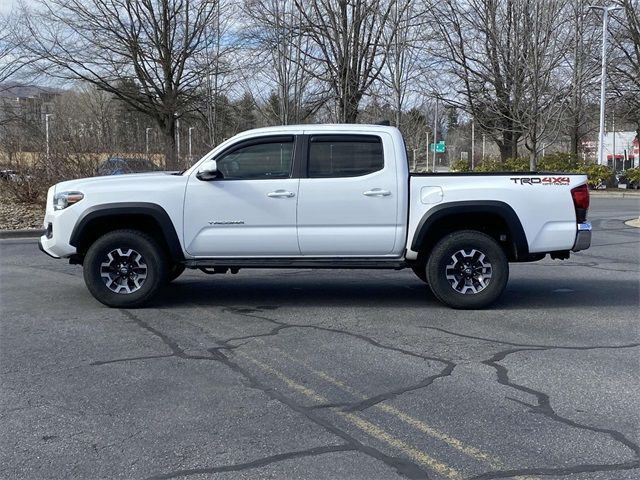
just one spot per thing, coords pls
(156, 212)
(500, 209)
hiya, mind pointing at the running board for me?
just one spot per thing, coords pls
(355, 263)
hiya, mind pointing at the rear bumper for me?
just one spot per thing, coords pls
(583, 237)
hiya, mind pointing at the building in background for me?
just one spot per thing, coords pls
(621, 150)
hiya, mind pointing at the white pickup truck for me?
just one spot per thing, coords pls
(313, 196)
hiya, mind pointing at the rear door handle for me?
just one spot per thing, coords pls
(377, 192)
(280, 194)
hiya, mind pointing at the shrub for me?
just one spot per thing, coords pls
(560, 162)
(508, 165)
(597, 174)
(460, 166)
(632, 174)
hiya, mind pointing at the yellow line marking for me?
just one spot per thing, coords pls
(364, 425)
(473, 452)
(375, 431)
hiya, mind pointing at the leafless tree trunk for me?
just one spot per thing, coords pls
(108, 43)
(348, 43)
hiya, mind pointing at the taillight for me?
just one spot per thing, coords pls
(580, 197)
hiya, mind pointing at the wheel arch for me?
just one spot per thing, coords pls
(147, 217)
(492, 217)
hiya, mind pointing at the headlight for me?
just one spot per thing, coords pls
(63, 200)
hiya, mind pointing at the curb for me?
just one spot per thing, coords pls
(614, 194)
(26, 233)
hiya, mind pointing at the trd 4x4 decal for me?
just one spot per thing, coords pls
(541, 180)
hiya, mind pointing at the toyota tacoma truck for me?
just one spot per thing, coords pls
(313, 196)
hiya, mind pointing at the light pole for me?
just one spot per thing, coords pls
(603, 77)
(46, 129)
(483, 139)
(190, 128)
(435, 136)
(178, 140)
(146, 135)
(473, 143)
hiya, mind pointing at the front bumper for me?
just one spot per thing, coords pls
(43, 249)
(583, 237)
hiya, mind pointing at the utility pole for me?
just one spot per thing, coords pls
(603, 75)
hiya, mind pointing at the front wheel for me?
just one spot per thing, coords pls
(467, 270)
(124, 268)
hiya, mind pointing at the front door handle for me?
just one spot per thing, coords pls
(377, 192)
(280, 194)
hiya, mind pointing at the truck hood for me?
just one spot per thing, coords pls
(129, 179)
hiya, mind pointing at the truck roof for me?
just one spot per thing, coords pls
(341, 127)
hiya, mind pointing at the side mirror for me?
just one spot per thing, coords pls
(208, 171)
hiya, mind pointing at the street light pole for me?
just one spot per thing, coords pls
(603, 77)
(473, 143)
(435, 136)
(190, 128)
(46, 128)
(178, 140)
(146, 134)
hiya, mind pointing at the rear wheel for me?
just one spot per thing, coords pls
(467, 270)
(124, 268)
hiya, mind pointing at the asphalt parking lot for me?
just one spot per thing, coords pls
(326, 374)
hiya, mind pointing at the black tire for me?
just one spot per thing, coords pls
(174, 272)
(124, 250)
(467, 270)
(421, 272)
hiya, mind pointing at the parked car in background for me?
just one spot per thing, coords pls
(8, 174)
(627, 182)
(122, 165)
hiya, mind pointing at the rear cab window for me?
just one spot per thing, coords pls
(334, 156)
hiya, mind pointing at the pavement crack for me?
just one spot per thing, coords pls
(131, 359)
(256, 463)
(247, 312)
(543, 407)
(535, 346)
(382, 397)
(402, 466)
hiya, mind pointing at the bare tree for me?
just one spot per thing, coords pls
(349, 45)
(546, 88)
(404, 62)
(582, 67)
(151, 45)
(625, 67)
(280, 61)
(497, 67)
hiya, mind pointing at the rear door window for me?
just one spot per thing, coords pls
(344, 155)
